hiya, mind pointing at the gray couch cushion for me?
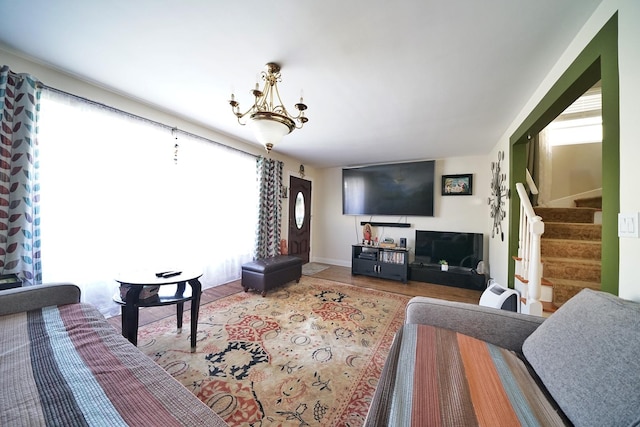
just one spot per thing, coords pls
(499, 327)
(587, 354)
(37, 296)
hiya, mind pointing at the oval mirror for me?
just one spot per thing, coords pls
(299, 212)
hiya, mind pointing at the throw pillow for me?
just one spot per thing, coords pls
(587, 354)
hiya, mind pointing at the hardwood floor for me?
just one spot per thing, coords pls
(411, 288)
(335, 273)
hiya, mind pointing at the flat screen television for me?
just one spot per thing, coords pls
(458, 249)
(389, 189)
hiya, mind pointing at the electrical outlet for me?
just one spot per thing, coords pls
(628, 224)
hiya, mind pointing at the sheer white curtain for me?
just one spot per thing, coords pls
(114, 199)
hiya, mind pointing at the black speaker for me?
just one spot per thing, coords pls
(403, 242)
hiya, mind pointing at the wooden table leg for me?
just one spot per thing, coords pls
(130, 315)
(123, 324)
(196, 290)
(179, 311)
(180, 306)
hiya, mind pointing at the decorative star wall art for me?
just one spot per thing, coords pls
(499, 193)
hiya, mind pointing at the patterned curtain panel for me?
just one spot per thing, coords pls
(19, 187)
(269, 174)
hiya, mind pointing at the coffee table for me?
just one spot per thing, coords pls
(177, 294)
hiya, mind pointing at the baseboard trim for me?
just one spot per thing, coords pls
(331, 261)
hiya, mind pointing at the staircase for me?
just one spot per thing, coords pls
(570, 249)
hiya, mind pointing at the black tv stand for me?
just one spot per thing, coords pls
(459, 277)
(377, 261)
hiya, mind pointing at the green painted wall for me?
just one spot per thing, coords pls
(598, 61)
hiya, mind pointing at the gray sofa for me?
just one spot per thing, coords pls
(61, 363)
(462, 364)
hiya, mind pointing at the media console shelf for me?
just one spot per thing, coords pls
(386, 224)
(459, 277)
(376, 261)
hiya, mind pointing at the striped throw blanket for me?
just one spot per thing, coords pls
(444, 378)
(66, 366)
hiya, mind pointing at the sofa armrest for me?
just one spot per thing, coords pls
(499, 327)
(37, 296)
(380, 407)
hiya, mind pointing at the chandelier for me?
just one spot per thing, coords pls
(268, 118)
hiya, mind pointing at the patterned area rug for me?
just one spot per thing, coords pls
(308, 354)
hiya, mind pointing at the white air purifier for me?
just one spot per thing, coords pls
(497, 296)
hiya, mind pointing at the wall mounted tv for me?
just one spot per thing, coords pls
(404, 189)
(458, 249)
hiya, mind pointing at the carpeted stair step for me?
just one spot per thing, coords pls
(589, 202)
(571, 249)
(588, 270)
(574, 231)
(564, 289)
(576, 215)
(563, 248)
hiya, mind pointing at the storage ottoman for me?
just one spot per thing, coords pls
(268, 273)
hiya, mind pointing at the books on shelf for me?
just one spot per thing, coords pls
(392, 257)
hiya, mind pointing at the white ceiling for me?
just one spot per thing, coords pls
(385, 81)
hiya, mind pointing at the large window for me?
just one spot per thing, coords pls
(116, 195)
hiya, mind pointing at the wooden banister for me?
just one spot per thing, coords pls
(529, 265)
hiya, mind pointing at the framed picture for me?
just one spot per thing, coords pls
(457, 185)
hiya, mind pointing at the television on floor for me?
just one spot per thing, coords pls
(459, 249)
(404, 189)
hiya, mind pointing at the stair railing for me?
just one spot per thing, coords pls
(529, 265)
(533, 188)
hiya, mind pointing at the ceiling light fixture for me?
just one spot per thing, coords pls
(268, 117)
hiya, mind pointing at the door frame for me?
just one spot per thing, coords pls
(597, 61)
(296, 174)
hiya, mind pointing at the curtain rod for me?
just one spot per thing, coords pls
(145, 119)
(131, 115)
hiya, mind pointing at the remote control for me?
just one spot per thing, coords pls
(171, 274)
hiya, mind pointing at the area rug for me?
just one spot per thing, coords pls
(311, 268)
(307, 354)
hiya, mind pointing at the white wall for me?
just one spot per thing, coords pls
(575, 169)
(334, 233)
(629, 63)
(629, 69)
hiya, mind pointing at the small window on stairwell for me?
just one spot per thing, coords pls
(567, 163)
(580, 123)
